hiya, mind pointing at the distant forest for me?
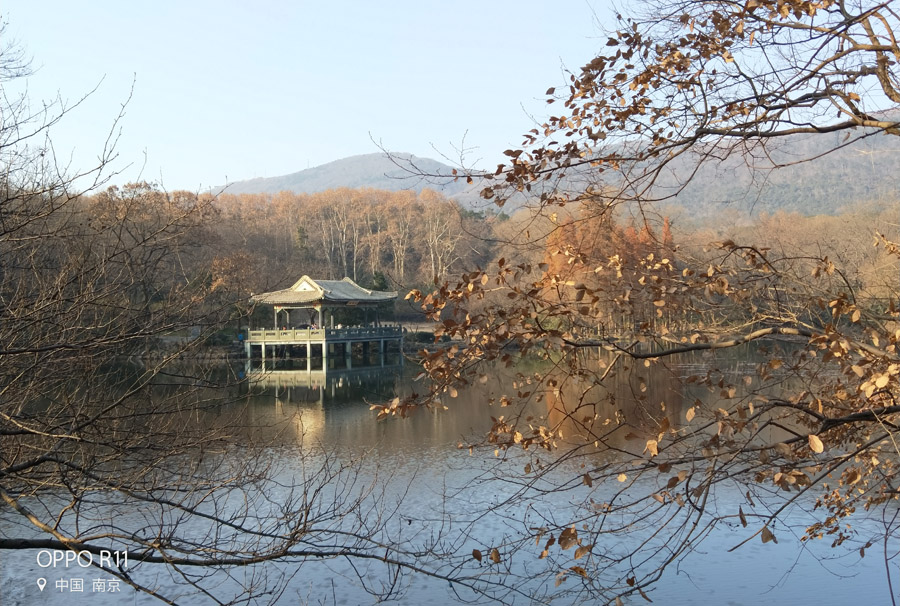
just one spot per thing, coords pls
(240, 244)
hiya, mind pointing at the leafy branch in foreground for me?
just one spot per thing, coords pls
(615, 300)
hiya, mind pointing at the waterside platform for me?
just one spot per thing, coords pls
(319, 343)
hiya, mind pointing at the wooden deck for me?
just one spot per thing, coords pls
(324, 338)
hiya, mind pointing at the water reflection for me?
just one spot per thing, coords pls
(332, 407)
(623, 402)
(339, 380)
(489, 500)
(435, 491)
(617, 402)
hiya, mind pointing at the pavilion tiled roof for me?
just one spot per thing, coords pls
(306, 291)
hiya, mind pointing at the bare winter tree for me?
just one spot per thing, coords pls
(107, 440)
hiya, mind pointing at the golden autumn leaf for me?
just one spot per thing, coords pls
(815, 444)
(495, 555)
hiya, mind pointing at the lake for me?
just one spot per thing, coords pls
(414, 486)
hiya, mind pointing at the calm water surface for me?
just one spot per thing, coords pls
(429, 489)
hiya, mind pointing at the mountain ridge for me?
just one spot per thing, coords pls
(864, 171)
(394, 172)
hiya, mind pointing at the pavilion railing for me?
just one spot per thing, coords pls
(301, 335)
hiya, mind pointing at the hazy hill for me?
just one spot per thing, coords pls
(866, 172)
(377, 171)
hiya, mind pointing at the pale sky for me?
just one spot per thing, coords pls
(234, 90)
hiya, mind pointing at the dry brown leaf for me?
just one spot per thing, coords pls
(582, 551)
(568, 538)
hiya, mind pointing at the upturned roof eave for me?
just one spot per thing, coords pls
(322, 294)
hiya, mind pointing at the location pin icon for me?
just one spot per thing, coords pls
(41, 583)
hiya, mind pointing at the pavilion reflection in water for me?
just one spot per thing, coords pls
(337, 380)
